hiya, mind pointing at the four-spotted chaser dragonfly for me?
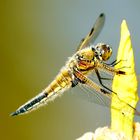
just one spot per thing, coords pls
(87, 59)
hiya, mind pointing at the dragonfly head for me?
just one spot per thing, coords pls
(103, 51)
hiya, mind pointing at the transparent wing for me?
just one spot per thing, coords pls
(91, 95)
(105, 99)
(92, 35)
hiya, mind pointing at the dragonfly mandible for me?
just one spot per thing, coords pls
(87, 59)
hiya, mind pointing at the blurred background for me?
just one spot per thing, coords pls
(36, 38)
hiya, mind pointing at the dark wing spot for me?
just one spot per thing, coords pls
(91, 31)
(102, 14)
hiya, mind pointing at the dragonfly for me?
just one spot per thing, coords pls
(87, 59)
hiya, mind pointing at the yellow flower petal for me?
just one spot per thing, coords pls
(125, 86)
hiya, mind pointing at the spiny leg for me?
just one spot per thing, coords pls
(104, 78)
(95, 97)
(84, 80)
(100, 81)
(114, 63)
(109, 69)
(98, 75)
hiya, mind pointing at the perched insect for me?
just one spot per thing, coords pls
(87, 59)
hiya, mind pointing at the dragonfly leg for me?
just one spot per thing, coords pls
(99, 78)
(115, 62)
(104, 78)
(85, 80)
(100, 81)
(109, 69)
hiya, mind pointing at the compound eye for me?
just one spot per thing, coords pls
(107, 52)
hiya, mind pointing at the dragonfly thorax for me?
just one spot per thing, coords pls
(103, 51)
(85, 59)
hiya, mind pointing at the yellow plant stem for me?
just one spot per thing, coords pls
(123, 104)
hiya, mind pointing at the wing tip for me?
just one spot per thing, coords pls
(102, 15)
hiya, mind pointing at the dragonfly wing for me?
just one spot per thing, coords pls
(107, 80)
(100, 95)
(87, 93)
(92, 35)
(93, 96)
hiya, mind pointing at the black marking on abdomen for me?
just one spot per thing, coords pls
(34, 101)
(29, 104)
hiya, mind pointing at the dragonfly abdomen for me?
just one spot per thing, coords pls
(61, 83)
(30, 105)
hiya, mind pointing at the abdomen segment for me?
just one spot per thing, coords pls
(61, 83)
